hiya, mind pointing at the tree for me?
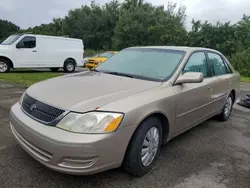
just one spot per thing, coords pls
(144, 24)
(7, 28)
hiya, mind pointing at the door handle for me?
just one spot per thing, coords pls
(210, 89)
(34, 51)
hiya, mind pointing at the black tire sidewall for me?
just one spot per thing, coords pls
(223, 117)
(132, 162)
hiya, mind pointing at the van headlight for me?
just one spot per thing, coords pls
(92, 122)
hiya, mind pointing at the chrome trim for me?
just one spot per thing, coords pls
(52, 123)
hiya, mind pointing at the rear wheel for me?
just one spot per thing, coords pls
(69, 65)
(54, 69)
(144, 147)
(4, 66)
(227, 109)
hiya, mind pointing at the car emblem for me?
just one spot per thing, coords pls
(32, 107)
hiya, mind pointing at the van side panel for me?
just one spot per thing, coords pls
(53, 51)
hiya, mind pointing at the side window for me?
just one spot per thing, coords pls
(197, 63)
(28, 42)
(218, 65)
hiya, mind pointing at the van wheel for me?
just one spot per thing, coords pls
(54, 69)
(144, 147)
(227, 109)
(69, 65)
(4, 66)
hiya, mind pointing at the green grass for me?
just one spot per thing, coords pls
(27, 78)
(245, 79)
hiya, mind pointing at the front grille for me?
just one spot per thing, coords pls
(40, 111)
(91, 61)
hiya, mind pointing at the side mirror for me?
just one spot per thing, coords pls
(190, 77)
(20, 45)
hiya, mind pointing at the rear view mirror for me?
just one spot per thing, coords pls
(20, 45)
(190, 77)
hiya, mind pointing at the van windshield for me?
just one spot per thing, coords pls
(143, 63)
(11, 39)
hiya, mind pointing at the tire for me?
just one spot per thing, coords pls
(4, 66)
(227, 109)
(69, 66)
(54, 69)
(133, 161)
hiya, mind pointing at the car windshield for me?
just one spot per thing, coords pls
(143, 63)
(106, 54)
(11, 39)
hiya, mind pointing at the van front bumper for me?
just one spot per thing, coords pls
(68, 152)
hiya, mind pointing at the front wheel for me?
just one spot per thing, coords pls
(144, 147)
(227, 109)
(4, 66)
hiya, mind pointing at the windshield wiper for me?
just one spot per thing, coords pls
(120, 74)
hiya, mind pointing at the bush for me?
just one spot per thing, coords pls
(241, 62)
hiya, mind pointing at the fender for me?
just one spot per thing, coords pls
(7, 56)
(2, 54)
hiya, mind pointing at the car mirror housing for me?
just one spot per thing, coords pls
(190, 77)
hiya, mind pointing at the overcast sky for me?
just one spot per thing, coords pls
(29, 13)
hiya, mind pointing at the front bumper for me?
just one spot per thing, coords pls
(68, 152)
(90, 66)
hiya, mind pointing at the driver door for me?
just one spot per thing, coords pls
(193, 99)
(26, 53)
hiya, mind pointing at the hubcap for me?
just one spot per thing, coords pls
(70, 67)
(228, 106)
(150, 146)
(3, 66)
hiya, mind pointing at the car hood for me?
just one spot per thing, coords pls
(87, 91)
(5, 47)
(99, 59)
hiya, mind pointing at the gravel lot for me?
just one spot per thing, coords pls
(211, 155)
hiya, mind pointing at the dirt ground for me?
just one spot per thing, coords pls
(211, 155)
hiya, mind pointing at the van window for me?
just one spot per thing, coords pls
(28, 42)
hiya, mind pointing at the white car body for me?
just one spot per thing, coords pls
(45, 52)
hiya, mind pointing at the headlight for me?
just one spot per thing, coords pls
(92, 122)
(21, 99)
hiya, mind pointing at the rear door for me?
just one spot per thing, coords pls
(27, 54)
(222, 80)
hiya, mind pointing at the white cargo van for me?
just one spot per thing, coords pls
(38, 51)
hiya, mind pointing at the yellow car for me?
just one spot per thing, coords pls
(95, 61)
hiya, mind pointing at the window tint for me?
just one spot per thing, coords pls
(28, 42)
(218, 66)
(197, 63)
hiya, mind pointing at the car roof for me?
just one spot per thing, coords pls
(180, 48)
